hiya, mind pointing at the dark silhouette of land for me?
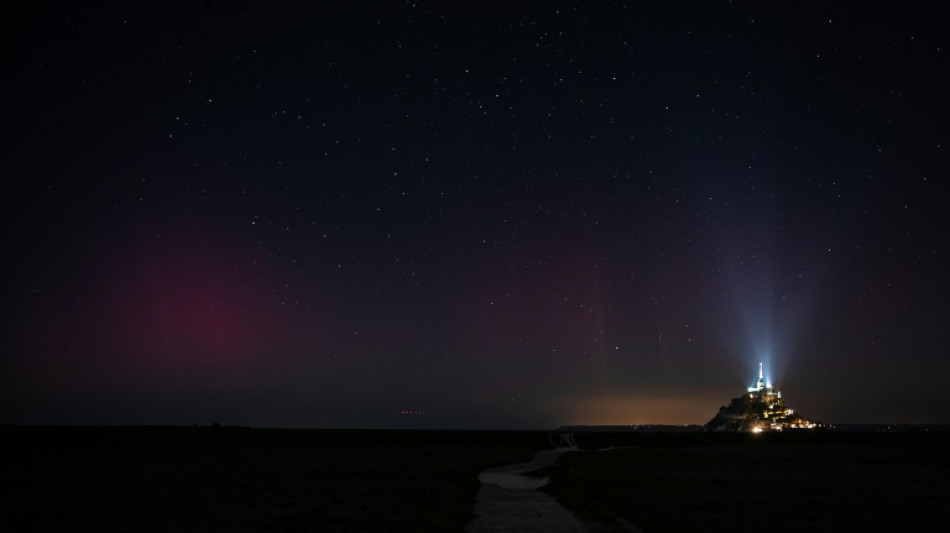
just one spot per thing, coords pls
(244, 480)
(777, 482)
(240, 479)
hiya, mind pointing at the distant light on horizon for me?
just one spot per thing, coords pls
(632, 410)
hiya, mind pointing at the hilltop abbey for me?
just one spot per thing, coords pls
(760, 409)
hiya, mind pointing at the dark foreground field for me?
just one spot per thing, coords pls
(774, 483)
(244, 480)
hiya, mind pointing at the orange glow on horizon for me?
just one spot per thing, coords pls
(632, 410)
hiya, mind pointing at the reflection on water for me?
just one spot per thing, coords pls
(514, 476)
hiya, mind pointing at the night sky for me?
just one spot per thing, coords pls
(415, 214)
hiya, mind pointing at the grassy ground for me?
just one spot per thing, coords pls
(860, 483)
(236, 480)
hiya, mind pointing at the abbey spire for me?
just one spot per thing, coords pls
(760, 384)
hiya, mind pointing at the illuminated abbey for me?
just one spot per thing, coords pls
(760, 409)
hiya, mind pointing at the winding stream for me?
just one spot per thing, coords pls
(508, 500)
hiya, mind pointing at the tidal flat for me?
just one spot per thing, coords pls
(286, 480)
(778, 483)
(247, 480)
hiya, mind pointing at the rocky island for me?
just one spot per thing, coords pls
(761, 408)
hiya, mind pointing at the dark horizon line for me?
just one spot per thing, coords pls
(838, 426)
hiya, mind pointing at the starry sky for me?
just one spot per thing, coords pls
(426, 215)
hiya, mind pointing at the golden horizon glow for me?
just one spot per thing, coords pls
(633, 410)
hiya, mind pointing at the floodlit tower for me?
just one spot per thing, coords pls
(760, 384)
